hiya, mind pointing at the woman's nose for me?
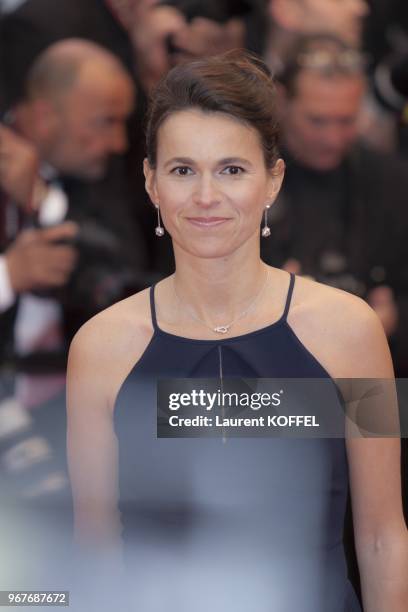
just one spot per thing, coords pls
(207, 193)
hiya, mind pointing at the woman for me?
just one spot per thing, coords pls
(244, 523)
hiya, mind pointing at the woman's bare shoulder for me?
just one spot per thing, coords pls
(106, 347)
(117, 324)
(312, 297)
(341, 329)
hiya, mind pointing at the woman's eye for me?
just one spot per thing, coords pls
(233, 170)
(181, 171)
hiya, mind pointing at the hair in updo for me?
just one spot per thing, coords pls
(236, 83)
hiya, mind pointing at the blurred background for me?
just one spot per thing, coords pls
(77, 229)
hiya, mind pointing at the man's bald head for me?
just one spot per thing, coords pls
(61, 65)
(79, 97)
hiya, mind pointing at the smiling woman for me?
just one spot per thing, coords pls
(239, 524)
(211, 194)
(232, 119)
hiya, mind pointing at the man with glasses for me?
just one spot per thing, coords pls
(342, 216)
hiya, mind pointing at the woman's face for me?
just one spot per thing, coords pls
(211, 182)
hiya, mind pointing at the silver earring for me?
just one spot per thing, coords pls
(159, 230)
(266, 232)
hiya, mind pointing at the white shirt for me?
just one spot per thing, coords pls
(53, 210)
(7, 295)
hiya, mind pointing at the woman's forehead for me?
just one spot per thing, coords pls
(192, 132)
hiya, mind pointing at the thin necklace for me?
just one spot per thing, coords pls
(223, 329)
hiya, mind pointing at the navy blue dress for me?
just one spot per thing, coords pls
(246, 525)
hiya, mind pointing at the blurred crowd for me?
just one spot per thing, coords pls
(77, 231)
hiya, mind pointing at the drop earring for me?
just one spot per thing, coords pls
(159, 230)
(266, 232)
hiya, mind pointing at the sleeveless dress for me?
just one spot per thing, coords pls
(246, 525)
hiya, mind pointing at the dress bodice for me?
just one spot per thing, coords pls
(235, 525)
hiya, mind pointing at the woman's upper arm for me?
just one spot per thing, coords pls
(374, 462)
(91, 440)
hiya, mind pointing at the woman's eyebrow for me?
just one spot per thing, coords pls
(234, 160)
(187, 161)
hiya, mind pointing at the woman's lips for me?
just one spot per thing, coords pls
(207, 221)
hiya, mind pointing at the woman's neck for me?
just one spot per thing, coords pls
(218, 290)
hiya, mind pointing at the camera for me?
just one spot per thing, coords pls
(391, 82)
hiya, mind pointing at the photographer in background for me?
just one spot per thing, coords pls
(68, 250)
(28, 30)
(78, 98)
(350, 199)
(30, 260)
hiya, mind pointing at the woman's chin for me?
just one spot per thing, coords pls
(207, 249)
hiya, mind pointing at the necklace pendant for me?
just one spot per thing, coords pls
(222, 329)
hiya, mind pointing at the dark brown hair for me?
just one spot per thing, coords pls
(236, 83)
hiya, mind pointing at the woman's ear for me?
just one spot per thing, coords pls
(150, 181)
(277, 174)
